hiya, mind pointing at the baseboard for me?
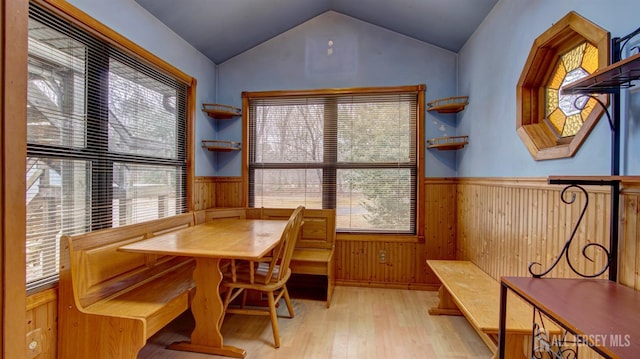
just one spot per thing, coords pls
(410, 286)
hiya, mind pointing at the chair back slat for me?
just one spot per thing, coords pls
(284, 251)
(294, 231)
(273, 270)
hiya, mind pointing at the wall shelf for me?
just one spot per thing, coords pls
(448, 105)
(220, 112)
(448, 143)
(611, 78)
(221, 146)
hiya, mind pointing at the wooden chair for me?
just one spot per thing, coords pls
(268, 276)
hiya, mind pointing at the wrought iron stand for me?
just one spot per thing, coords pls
(542, 294)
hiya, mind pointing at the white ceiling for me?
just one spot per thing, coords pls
(222, 29)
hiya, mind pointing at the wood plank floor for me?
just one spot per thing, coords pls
(361, 323)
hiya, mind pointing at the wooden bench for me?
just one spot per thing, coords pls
(111, 302)
(469, 291)
(314, 250)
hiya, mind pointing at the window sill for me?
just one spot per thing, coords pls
(380, 237)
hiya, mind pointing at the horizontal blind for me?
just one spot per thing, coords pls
(106, 140)
(356, 153)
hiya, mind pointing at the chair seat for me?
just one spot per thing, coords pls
(243, 278)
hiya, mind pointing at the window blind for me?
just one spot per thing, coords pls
(356, 153)
(106, 140)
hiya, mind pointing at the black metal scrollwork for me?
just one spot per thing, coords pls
(565, 249)
(547, 347)
(551, 346)
(612, 126)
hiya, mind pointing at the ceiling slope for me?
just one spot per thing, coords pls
(222, 29)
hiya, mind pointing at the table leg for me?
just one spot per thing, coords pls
(207, 310)
(502, 335)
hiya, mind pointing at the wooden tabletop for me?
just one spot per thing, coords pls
(601, 311)
(248, 239)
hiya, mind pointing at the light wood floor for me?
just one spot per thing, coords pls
(361, 323)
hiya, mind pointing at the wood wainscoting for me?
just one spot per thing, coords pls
(629, 259)
(505, 224)
(358, 264)
(210, 192)
(42, 333)
(500, 224)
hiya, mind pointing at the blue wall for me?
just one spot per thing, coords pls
(133, 22)
(364, 55)
(490, 64)
(487, 69)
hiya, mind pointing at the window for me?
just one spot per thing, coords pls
(552, 124)
(355, 151)
(106, 140)
(566, 113)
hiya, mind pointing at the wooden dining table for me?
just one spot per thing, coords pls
(209, 243)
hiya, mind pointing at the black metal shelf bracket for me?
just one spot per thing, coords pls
(568, 196)
(613, 116)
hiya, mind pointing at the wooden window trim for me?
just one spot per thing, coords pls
(13, 139)
(94, 27)
(67, 11)
(246, 96)
(538, 137)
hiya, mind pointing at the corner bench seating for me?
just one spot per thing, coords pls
(314, 248)
(111, 302)
(469, 291)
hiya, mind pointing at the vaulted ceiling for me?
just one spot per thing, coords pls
(222, 29)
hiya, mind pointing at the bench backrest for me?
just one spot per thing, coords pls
(219, 213)
(95, 269)
(318, 231)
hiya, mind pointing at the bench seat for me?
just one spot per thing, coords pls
(469, 291)
(311, 261)
(157, 301)
(111, 302)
